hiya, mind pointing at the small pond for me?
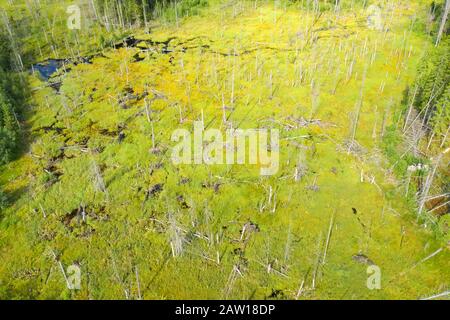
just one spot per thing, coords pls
(47, 68)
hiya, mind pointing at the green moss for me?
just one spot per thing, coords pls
(259, 63)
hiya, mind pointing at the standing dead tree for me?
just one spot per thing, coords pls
(99, 183)
(14, 46)
(359, 104)
(327, 243)
(443, 22)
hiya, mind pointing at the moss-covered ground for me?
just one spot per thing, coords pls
(334, 207)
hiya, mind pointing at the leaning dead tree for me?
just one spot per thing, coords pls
(428, 183)
(176, 237)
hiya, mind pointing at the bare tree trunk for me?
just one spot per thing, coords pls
(144, 13)
(138, 282)
(445, 137)
(359, 105)
(443, 22)
(410, 109)
(428, 183)
(94, 9)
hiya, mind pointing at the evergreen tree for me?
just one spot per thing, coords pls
(9, 95)
(8, 130)
(433, 87)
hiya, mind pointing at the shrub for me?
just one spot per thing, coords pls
(3, 200)
(8, 129)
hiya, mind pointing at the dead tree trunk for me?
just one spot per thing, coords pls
(443, 22)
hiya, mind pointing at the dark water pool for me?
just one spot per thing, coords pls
(47, 68)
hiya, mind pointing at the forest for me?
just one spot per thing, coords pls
(92, 91)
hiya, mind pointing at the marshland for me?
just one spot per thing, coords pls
(357, 89)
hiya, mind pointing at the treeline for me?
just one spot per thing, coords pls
(12, 91)
(11, 99)
(127, 13)
(327, 5)
(430, 93)
(38, 30)
(427, 118)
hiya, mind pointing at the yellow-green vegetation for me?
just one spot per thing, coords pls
(97, 187)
